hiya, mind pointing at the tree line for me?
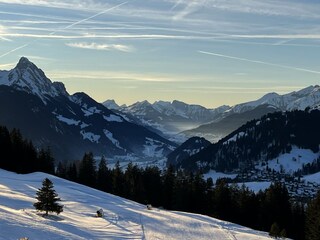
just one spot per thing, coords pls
(270, 210)
(19, 155)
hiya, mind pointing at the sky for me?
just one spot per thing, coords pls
(207, 52)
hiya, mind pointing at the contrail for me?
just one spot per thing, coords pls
(96, 15)
(67, 27)
(176, 5)
(260, 62)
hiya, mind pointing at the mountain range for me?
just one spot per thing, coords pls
(180, 121)
(73, 124)
(168, 118)
(70, 124)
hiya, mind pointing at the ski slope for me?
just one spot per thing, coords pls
(124, 219)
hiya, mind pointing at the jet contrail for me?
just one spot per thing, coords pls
(96, 15)
(67, 27)
(260, 62)
(176, 5)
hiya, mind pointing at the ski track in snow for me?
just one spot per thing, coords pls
(124, 219)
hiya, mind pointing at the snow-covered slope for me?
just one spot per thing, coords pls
(123, 219)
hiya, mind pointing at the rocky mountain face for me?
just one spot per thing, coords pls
(70, 124)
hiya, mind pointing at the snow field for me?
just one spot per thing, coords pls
(124, 219)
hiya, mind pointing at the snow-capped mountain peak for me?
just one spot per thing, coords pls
(111, 104)
(24, 63)
(307, 97)
(28, 77)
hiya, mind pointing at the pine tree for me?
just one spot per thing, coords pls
(87, 170)
(274, 230)
(46, 161)
(48, 198)
(72, 172)
(313, 219)
(103, 175)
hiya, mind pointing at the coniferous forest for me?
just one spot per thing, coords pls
(270, 210)
(182, 191)
(21, 156)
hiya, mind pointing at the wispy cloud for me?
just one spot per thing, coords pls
(2, 31)
(103, 47)
(7, 65)
(189, 8)
(277, 36)
(66, 27)
(111, 75)
(267, 7)
(5, 39)
(260, 62)
(73, 4)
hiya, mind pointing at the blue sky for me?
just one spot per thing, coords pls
(208, 52)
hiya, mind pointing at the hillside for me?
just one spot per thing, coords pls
(123, 219)
(260, 141)
(185, 150)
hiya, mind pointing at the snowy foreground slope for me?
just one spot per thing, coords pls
(123, 219)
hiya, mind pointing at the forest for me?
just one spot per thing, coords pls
(271, 210)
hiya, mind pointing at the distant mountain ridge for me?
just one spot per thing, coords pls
(180, 121)
(168, 117)
(297, 100)
(239, 114)
(70, 124)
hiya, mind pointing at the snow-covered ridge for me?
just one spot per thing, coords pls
(28, 77)
(307, 97)
(124, 219)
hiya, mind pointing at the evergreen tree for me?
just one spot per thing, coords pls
(168, 185)
(87, 170)
(313, 219)
(47, 198)
(46, 161)
(72, 172)
(6, 145)
(152, 185)
(274, 230)
(117, 180)
(277, 206)
(61, 170)
(103, 175)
